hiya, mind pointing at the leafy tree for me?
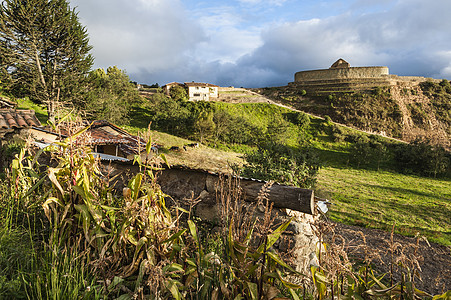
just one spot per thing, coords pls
(44, 51)
(110, 95)
(277, 129)
(234, 129)
(423, 158)
(169, 115)
(178, 93)
(283, 164)
(204, 126)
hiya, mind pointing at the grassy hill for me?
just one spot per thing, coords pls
(407, 112)
(365, 192)
(368, 198)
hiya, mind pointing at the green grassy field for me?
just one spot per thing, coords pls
(364, 197)
(381, 199)
(369, 198)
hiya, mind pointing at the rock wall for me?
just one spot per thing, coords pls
(298, 241)
(341, 73)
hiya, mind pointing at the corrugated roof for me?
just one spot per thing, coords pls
(17, 119)
(102, 156)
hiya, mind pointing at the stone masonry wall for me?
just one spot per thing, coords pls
(341, 73)
(298, 240)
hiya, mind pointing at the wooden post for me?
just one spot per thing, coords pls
(282, 196)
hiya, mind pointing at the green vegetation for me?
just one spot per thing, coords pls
(68, 234)
(39, 109)
(375, 111)
(45, 52)
(109, 96)
(371, 111)
(440, 94)
(338, 150)
(285, 165)
(379, 199)
(74, 238)
(249, 126)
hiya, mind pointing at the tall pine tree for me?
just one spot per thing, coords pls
(44, 51)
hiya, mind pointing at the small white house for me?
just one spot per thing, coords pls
(198, 91)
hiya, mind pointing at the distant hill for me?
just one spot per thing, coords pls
(407, 112)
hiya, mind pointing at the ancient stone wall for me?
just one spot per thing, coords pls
(341, 73)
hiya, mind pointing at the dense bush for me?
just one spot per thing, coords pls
(109, 96)
(204, 121)
(422, 158)
(369, 151)
(283, 164)
(299, 118)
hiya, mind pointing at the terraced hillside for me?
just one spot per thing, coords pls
(408, 111)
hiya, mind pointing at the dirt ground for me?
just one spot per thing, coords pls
(434, 259)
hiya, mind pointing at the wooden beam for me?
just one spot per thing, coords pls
(282, 196)
(181, 182)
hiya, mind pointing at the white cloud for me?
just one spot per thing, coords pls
(406, 38)
(264, 2)
(136, 33)
(162, 41)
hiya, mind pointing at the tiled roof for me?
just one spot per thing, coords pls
(172, 84)
(105, 133)
(5, 103)
(16, 119)
(200, 84)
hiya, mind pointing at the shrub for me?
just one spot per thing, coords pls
(422, 158)
(285, 165)
(301, 119)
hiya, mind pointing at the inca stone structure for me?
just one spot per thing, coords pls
(342, 77)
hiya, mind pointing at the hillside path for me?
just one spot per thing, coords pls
(258, 98)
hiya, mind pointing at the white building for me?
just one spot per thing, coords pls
(201, 91)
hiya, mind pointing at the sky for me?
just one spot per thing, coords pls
(261, 43)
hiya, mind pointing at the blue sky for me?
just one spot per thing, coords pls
(258, 43)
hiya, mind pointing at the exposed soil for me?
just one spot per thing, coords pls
(434, 259)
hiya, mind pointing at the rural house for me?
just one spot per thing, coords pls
(106, 140)
(201, 91)
(167, 87)
(197, 91)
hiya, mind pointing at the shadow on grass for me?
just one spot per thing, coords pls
(426, 207)
(331, 158)
(442, 237)
(405, 191)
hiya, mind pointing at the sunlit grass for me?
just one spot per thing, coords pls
(381, 199)
(40, 110)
